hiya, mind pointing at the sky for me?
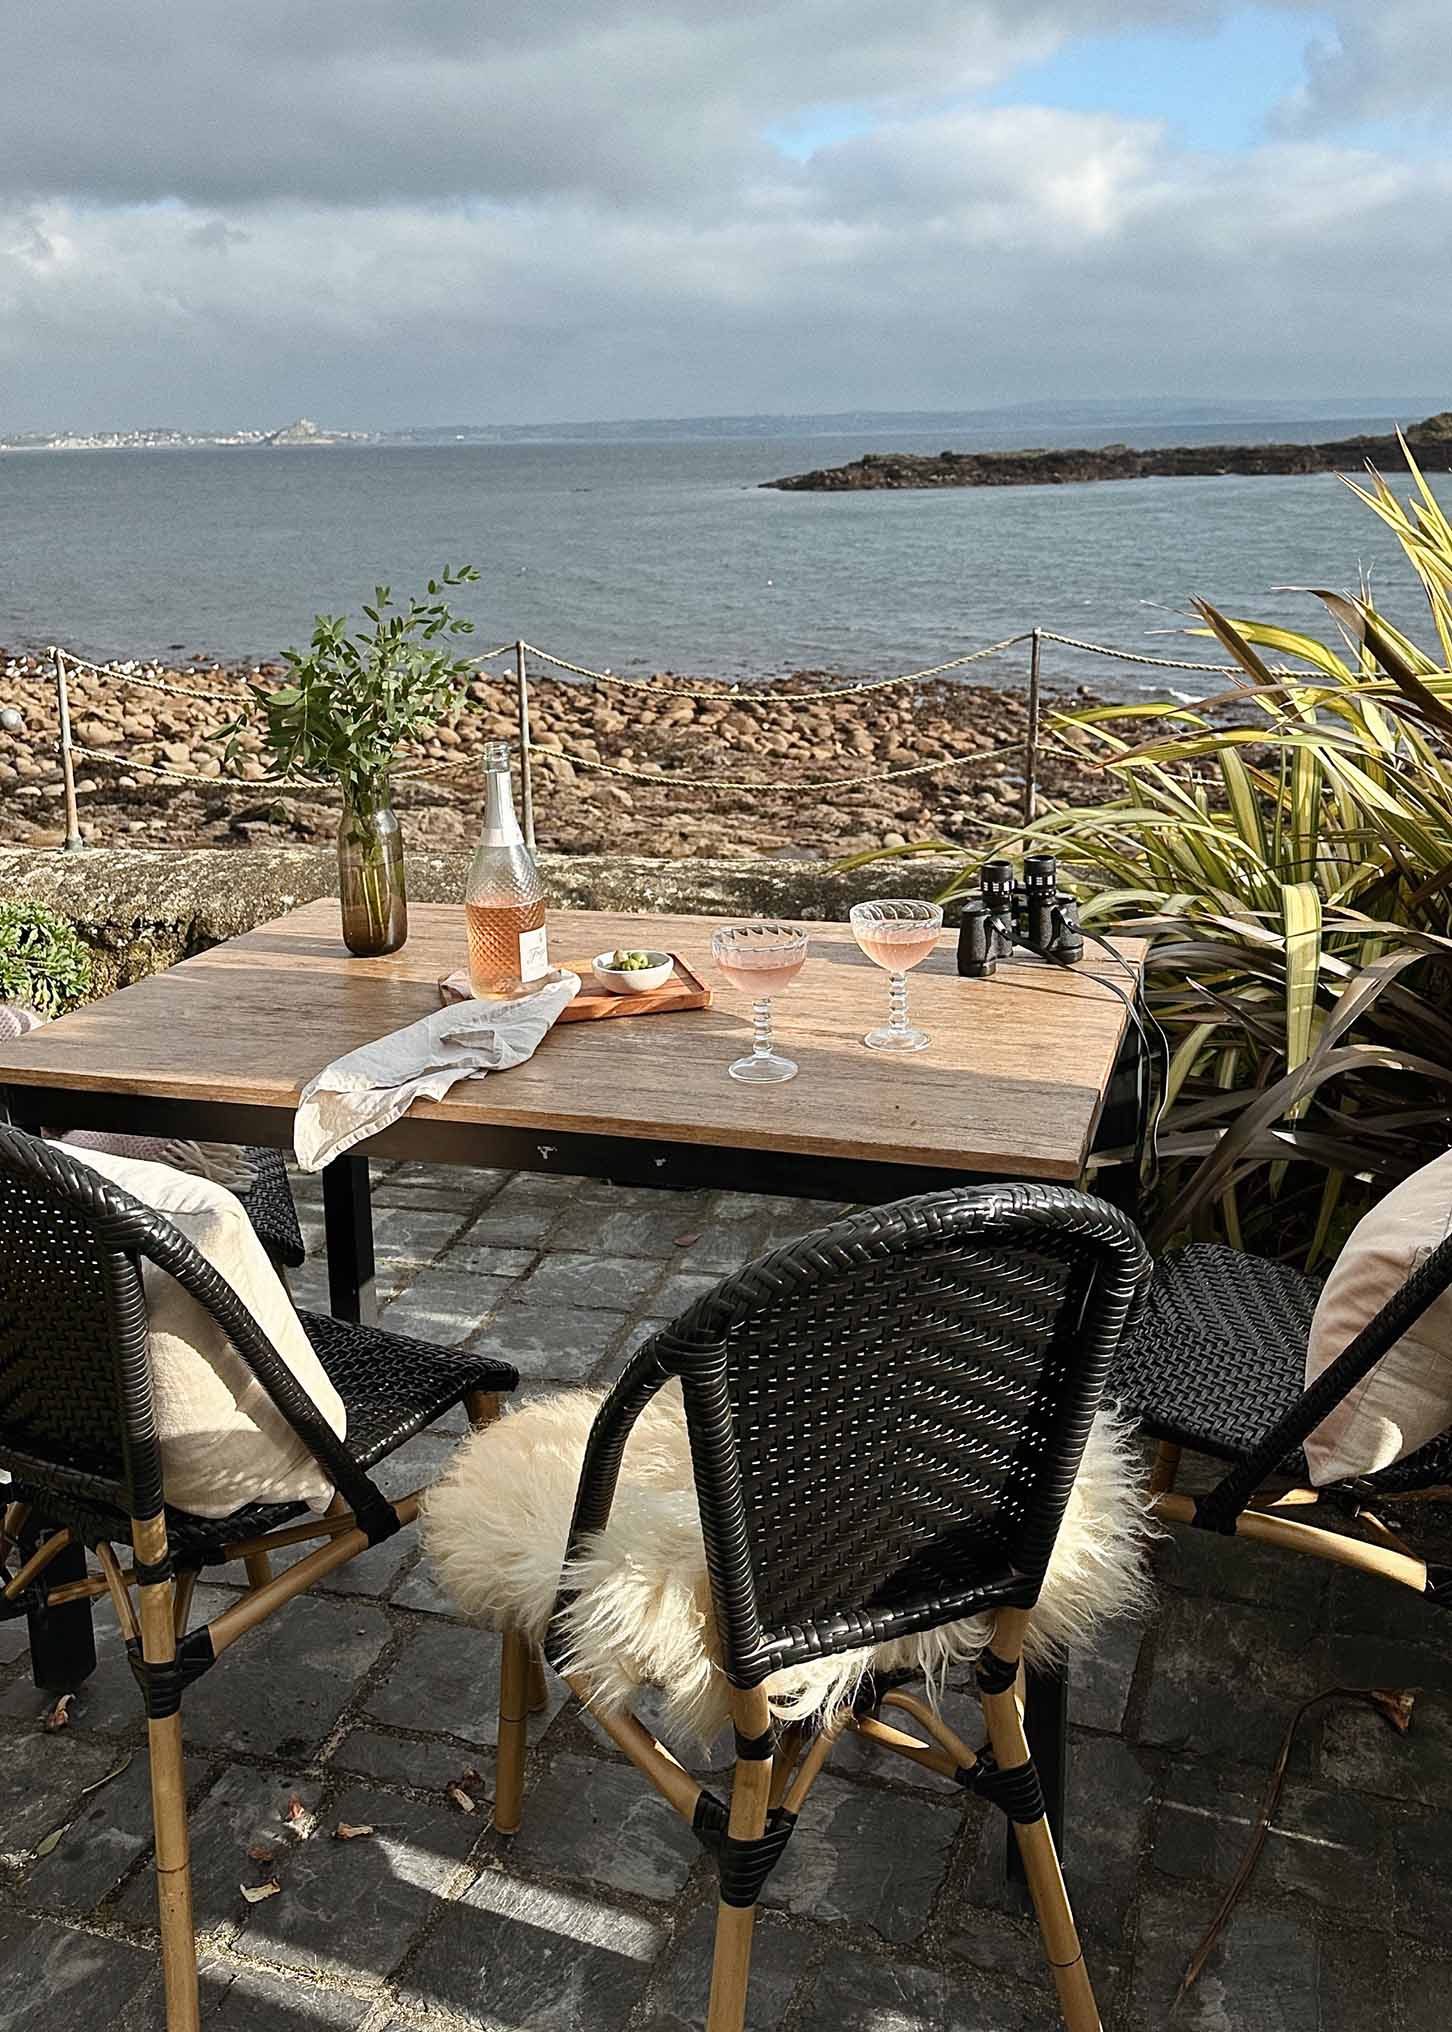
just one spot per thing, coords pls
(379, 213)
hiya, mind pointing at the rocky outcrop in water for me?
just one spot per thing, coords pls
(1430, 440)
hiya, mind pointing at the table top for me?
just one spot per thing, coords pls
(1012, 1083)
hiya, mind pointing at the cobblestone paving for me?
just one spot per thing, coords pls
(367, 1702)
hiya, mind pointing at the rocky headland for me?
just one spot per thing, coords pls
(1430, 440)
(770, 744)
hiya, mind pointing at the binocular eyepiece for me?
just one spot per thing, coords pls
(1033, 915)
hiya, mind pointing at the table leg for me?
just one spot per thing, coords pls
(1046, 1724)
(348, 1229)
(63, 1640)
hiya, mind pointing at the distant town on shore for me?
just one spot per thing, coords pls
(1051, 421)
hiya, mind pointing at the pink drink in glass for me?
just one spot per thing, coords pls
(897, 933)
(896, 956)
(760, 960)
(759, 980)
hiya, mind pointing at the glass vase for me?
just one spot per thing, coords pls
(370, 872)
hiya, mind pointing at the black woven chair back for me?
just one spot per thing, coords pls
(77, 1419)
(886, 1417)
(75, 1383)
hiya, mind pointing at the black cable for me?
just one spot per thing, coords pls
(1138, 1019)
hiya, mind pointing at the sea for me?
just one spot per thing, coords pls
(668, 555)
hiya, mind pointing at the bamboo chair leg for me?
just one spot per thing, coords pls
(481, 1407)
(157, 1610)
(1166, 1469)
(259, 1569)
(750, 1796)
(539, 1692)
(514, 1667)
(1036, 1845)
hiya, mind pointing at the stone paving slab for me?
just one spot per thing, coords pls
(368, 1701)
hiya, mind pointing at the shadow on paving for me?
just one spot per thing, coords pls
(369, 1706)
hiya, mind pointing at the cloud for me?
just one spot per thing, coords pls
(1385, 62)
(380, 215)
(348, 101)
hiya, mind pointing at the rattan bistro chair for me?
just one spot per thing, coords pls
(78, 1439)
(1217, 1367)
(272, 1209)
(885, 1421)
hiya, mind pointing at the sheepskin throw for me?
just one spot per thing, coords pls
(495, 1527)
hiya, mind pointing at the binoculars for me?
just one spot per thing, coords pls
(1033, 915)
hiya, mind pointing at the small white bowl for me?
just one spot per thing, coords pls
(633, 980)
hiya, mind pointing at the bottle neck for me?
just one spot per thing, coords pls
(501, 827)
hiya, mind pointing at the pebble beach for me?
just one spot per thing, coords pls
(632, 768)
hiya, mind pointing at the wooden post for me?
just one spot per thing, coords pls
(1031, 745)
(526, 767)
(73, 843)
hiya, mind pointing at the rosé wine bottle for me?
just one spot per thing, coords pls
(504, 902)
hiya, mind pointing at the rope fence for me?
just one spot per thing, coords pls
(738, 693)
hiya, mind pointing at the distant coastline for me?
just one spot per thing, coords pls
(1059, 420)
(1430, 440)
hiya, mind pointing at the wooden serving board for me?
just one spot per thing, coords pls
(686, 990)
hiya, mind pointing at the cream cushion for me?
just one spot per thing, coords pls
(1406, 1400)
(496, 1521)
(224, 1443)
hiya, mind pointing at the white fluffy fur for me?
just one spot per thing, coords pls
(495, 1528)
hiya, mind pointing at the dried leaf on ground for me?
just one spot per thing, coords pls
(51, 1841)
(99, 1784)
(300, 1821)
(260, 1853)
(1396, 1708)
(462, 1800)
(60, 1715)
(346, 1831)
(255, 1893)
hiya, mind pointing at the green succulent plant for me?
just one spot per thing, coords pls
(43, 961)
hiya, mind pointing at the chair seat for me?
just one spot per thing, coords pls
(1220, 1354)
(391, 1387)
(1220, 1349)
(272, 1209)
(497, 1521)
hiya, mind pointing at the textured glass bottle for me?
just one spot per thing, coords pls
(504, 902)
(370, 871)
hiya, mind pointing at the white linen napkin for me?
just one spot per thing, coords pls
(365, 1091)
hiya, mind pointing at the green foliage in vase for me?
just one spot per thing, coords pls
(43, 961)
(1291, 866)
(352, 698)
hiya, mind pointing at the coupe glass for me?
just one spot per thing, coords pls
(896, 933)
(760, 960)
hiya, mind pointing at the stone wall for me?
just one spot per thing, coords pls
(140, 911)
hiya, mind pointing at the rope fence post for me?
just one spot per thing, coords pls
(72, 843)
(526, 766)
(1031, 744)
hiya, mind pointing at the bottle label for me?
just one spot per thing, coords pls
(534, 956)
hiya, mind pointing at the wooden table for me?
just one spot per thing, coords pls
(1014, 1084)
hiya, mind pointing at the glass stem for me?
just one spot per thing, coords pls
(897, 1003)
(761, 1028)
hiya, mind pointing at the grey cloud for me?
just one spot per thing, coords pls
(1109, 261)
(350, 101)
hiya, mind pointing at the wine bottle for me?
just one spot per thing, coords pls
(504, 903)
